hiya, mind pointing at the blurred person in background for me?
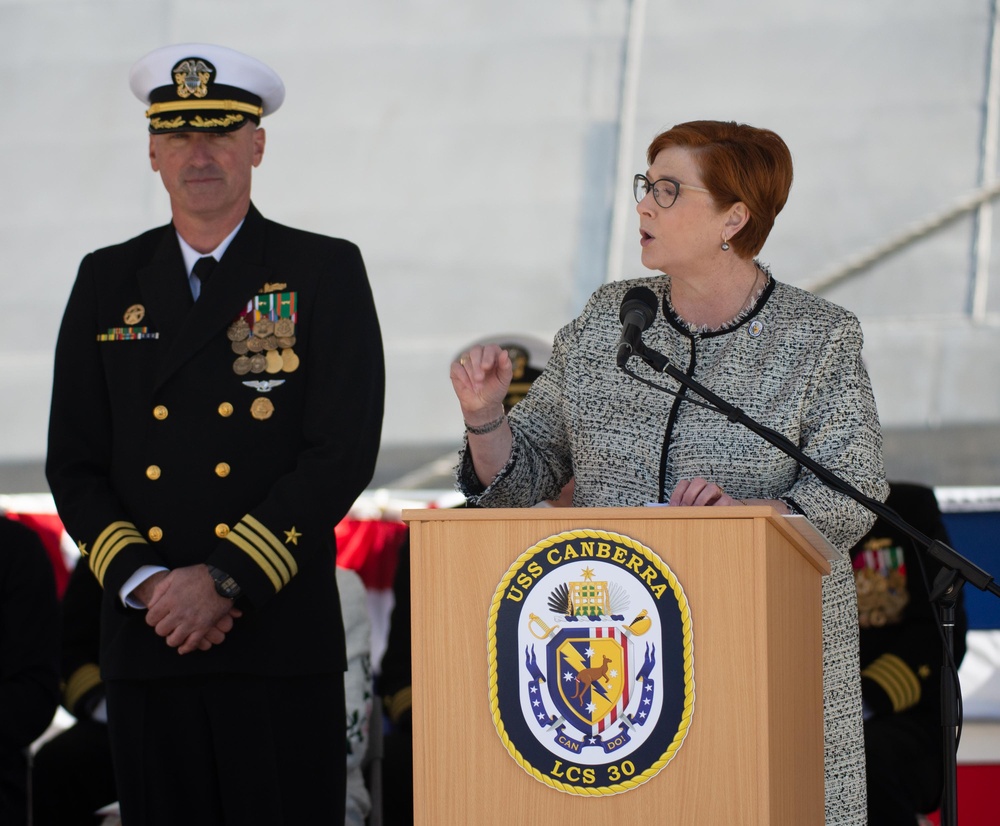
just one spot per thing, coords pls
(528, 356)
(73, 774)
(902, 651)
(29, 660)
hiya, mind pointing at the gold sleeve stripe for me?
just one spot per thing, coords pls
(266, 552)
(254, 554)
(897, 680)
(82, 680)
(189, 105)
(399, 703)
(107, 535)
(108, 545)
(100, 566)
(273, 541)
(100, 569)
(109, 550)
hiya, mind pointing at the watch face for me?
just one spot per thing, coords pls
(225, 585)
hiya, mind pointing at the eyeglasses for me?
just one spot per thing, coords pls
(665, 190)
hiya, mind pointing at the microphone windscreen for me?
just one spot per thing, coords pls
(641, 300)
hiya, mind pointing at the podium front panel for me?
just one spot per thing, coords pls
(753, 753)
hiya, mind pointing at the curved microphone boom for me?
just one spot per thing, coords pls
(637, 313)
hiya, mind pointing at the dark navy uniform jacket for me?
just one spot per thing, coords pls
(901, 644)
(167, 448)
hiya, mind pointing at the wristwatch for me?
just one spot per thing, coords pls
(225, 585)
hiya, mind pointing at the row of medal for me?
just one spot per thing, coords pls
(265, 347)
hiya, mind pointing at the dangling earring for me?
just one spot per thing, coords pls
(725, 243)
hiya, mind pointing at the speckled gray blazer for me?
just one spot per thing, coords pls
(794, 365)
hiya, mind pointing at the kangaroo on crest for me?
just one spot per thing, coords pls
(588, 676)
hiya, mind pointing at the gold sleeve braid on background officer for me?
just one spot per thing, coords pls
(216, 409)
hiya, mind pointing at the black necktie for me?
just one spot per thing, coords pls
(203, 269)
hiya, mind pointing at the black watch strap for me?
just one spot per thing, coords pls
(225, 585)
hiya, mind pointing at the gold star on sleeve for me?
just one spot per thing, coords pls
(292, 536)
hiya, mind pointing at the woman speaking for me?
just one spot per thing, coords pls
(790, 360)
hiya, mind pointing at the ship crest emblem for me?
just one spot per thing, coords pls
(591, 662)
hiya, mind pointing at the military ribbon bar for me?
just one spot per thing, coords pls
(126, 334)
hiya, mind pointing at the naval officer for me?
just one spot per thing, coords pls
(216, 409)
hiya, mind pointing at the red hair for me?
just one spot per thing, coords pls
(738, 163)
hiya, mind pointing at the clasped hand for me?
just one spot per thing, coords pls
(186, 611)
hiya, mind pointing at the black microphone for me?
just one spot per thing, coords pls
(637, 313)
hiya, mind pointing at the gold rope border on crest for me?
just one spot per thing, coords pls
(678, 592)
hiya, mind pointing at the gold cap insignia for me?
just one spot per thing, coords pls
(192, 76)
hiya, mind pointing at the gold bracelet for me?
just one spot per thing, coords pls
(483, 429)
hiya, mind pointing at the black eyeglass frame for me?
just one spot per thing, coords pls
(650, 187)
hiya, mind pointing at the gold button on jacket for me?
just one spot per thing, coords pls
(222, 470)
(160, 412)
(153, 472)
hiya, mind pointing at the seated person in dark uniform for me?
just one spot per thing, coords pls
(29, 659)
(73, 775)
(528, 357)
(901, 658)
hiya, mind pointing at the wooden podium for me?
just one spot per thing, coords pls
(753, 749)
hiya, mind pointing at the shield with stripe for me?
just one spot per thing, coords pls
(594, 684)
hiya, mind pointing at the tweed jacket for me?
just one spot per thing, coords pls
(164, 450)
(793, 364)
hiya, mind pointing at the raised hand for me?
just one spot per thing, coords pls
(481, 378)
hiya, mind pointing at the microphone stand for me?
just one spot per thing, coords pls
(956, 570)
(947, 586)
